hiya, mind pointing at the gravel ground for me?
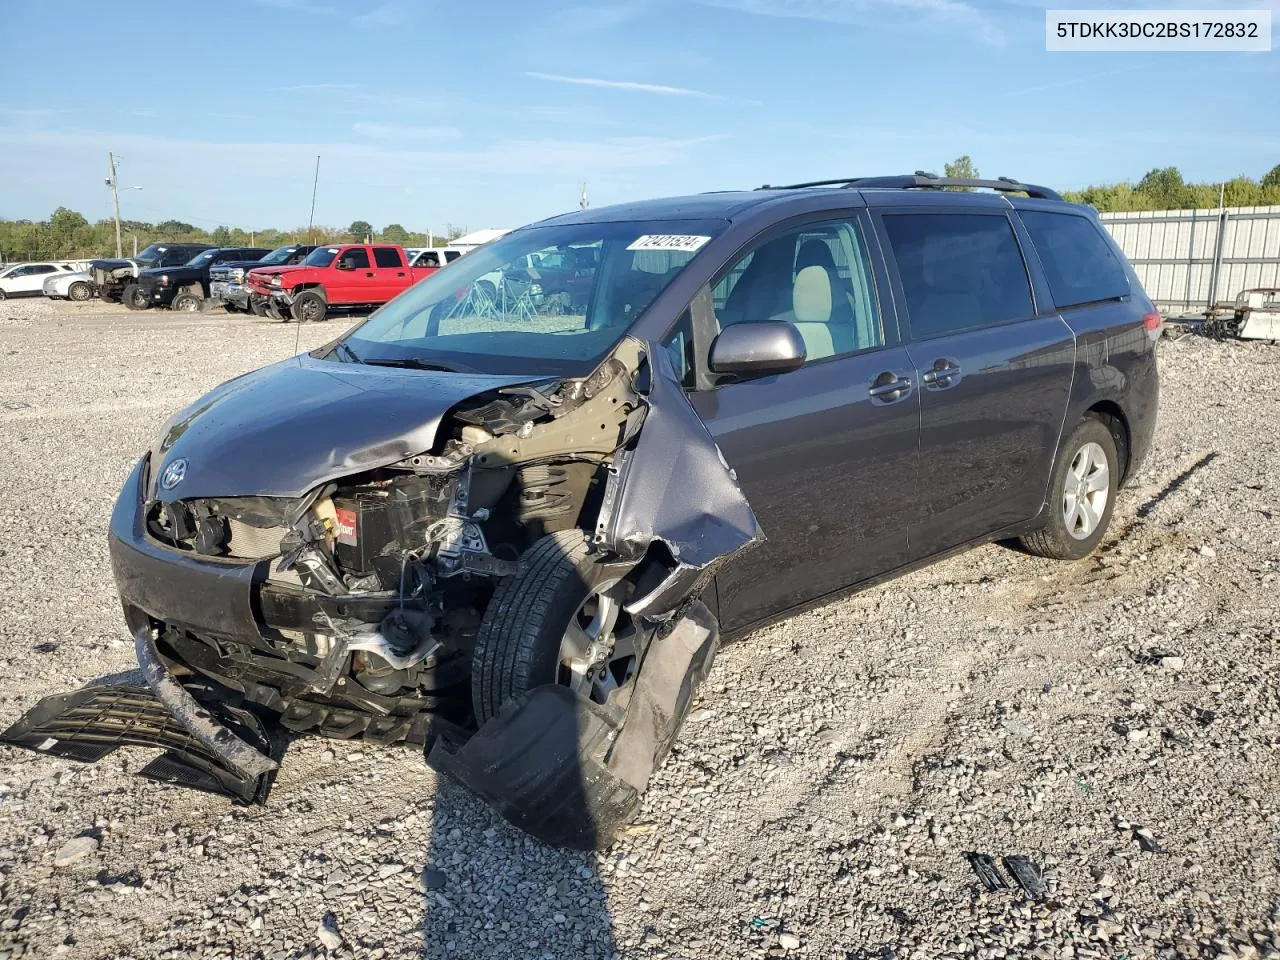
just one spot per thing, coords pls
(823, 796)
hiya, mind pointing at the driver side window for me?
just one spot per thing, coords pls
(357, 259)
(816, 277)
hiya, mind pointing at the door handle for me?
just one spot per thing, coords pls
(368, 274)
(400, 274)
(944, 374)
(889, 387)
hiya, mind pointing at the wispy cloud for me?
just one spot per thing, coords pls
(956, 13)
(658, 88)
(385, 15)
(315, 87)
(387, 131)
(300, 6)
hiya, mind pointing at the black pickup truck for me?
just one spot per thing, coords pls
(227, 280)
(113, 278)
(187, 287)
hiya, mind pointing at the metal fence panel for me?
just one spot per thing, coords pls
(1190, 260)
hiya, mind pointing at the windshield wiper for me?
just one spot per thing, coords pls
(351, 354)
(413, 363)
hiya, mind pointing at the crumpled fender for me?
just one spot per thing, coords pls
(675, 487)
(568, 771)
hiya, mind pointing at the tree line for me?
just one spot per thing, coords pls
(68, 235)
(1161, 189)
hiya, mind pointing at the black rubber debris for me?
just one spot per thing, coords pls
(1028, 876)
(985, 867)
(89, 723)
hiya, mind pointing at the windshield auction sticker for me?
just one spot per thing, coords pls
(668, 241)
(1169, 30)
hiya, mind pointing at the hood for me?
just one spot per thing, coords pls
(179, 271)
(241, 265)
(273, 271)
(284, 429)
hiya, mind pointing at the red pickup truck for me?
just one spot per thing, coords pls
(341, 275)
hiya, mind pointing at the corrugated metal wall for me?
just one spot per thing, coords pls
(1186, 258)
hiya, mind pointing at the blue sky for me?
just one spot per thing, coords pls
(427, 112)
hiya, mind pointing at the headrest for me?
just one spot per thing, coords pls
(815, 253)
(811, 295)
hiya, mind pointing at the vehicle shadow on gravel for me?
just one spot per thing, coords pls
(492, 890)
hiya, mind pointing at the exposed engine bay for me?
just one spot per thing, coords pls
(366, 595)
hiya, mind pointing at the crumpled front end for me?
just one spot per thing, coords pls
(353, 608)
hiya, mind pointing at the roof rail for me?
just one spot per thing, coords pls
(927, 181)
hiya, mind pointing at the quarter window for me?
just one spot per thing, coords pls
(1078, 262)
(958, 271)
(387, 257)
(816, 277)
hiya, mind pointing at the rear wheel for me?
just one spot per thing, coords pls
(558, 621)
(79, 291)
(1082, 495)
(187, 303)
(3, 295)
(133, 297)
(309, 307)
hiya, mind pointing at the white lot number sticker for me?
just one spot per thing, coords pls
(669, 241)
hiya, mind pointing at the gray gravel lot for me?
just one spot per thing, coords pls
(819, 803)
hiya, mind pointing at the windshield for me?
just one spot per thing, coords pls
(202, 257)
(495, 312)
(152, 252)
(320, 257)
(279, 255)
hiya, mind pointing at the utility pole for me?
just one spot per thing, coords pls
(311, 238)
(115, 199)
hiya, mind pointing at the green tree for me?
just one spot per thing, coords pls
(1272, 179)
(221, 237)
(360, 230)
(1165, 187)
(961, 168)
(394, 233)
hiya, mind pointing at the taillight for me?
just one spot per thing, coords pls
(1151, 321)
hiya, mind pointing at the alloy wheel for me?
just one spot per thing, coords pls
(1085, 491)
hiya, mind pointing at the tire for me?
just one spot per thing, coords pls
(3, 295)
(518, 644)
(1059, 539)
(232, 307)
(488, 289)
(187, 303)
(258, 308)
(79, 291)
(133, 297)
(309, 307)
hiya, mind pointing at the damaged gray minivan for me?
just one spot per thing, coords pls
(510, 515)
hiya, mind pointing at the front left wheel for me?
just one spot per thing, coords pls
(79, 291)
(557, 621)
(134, 298)
(187, 303)
(309, 307)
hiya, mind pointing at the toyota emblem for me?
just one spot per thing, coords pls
(173, 474)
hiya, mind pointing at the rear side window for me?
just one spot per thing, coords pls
(451, 255)
(959, 271)
(1078, 262)
(387, 257)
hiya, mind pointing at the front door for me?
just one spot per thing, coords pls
(994, 374)
(826, 454)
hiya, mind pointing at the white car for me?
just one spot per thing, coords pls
(27, 279)
(435, 257)
(76, 286)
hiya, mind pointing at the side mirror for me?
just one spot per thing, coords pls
(757, 349)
